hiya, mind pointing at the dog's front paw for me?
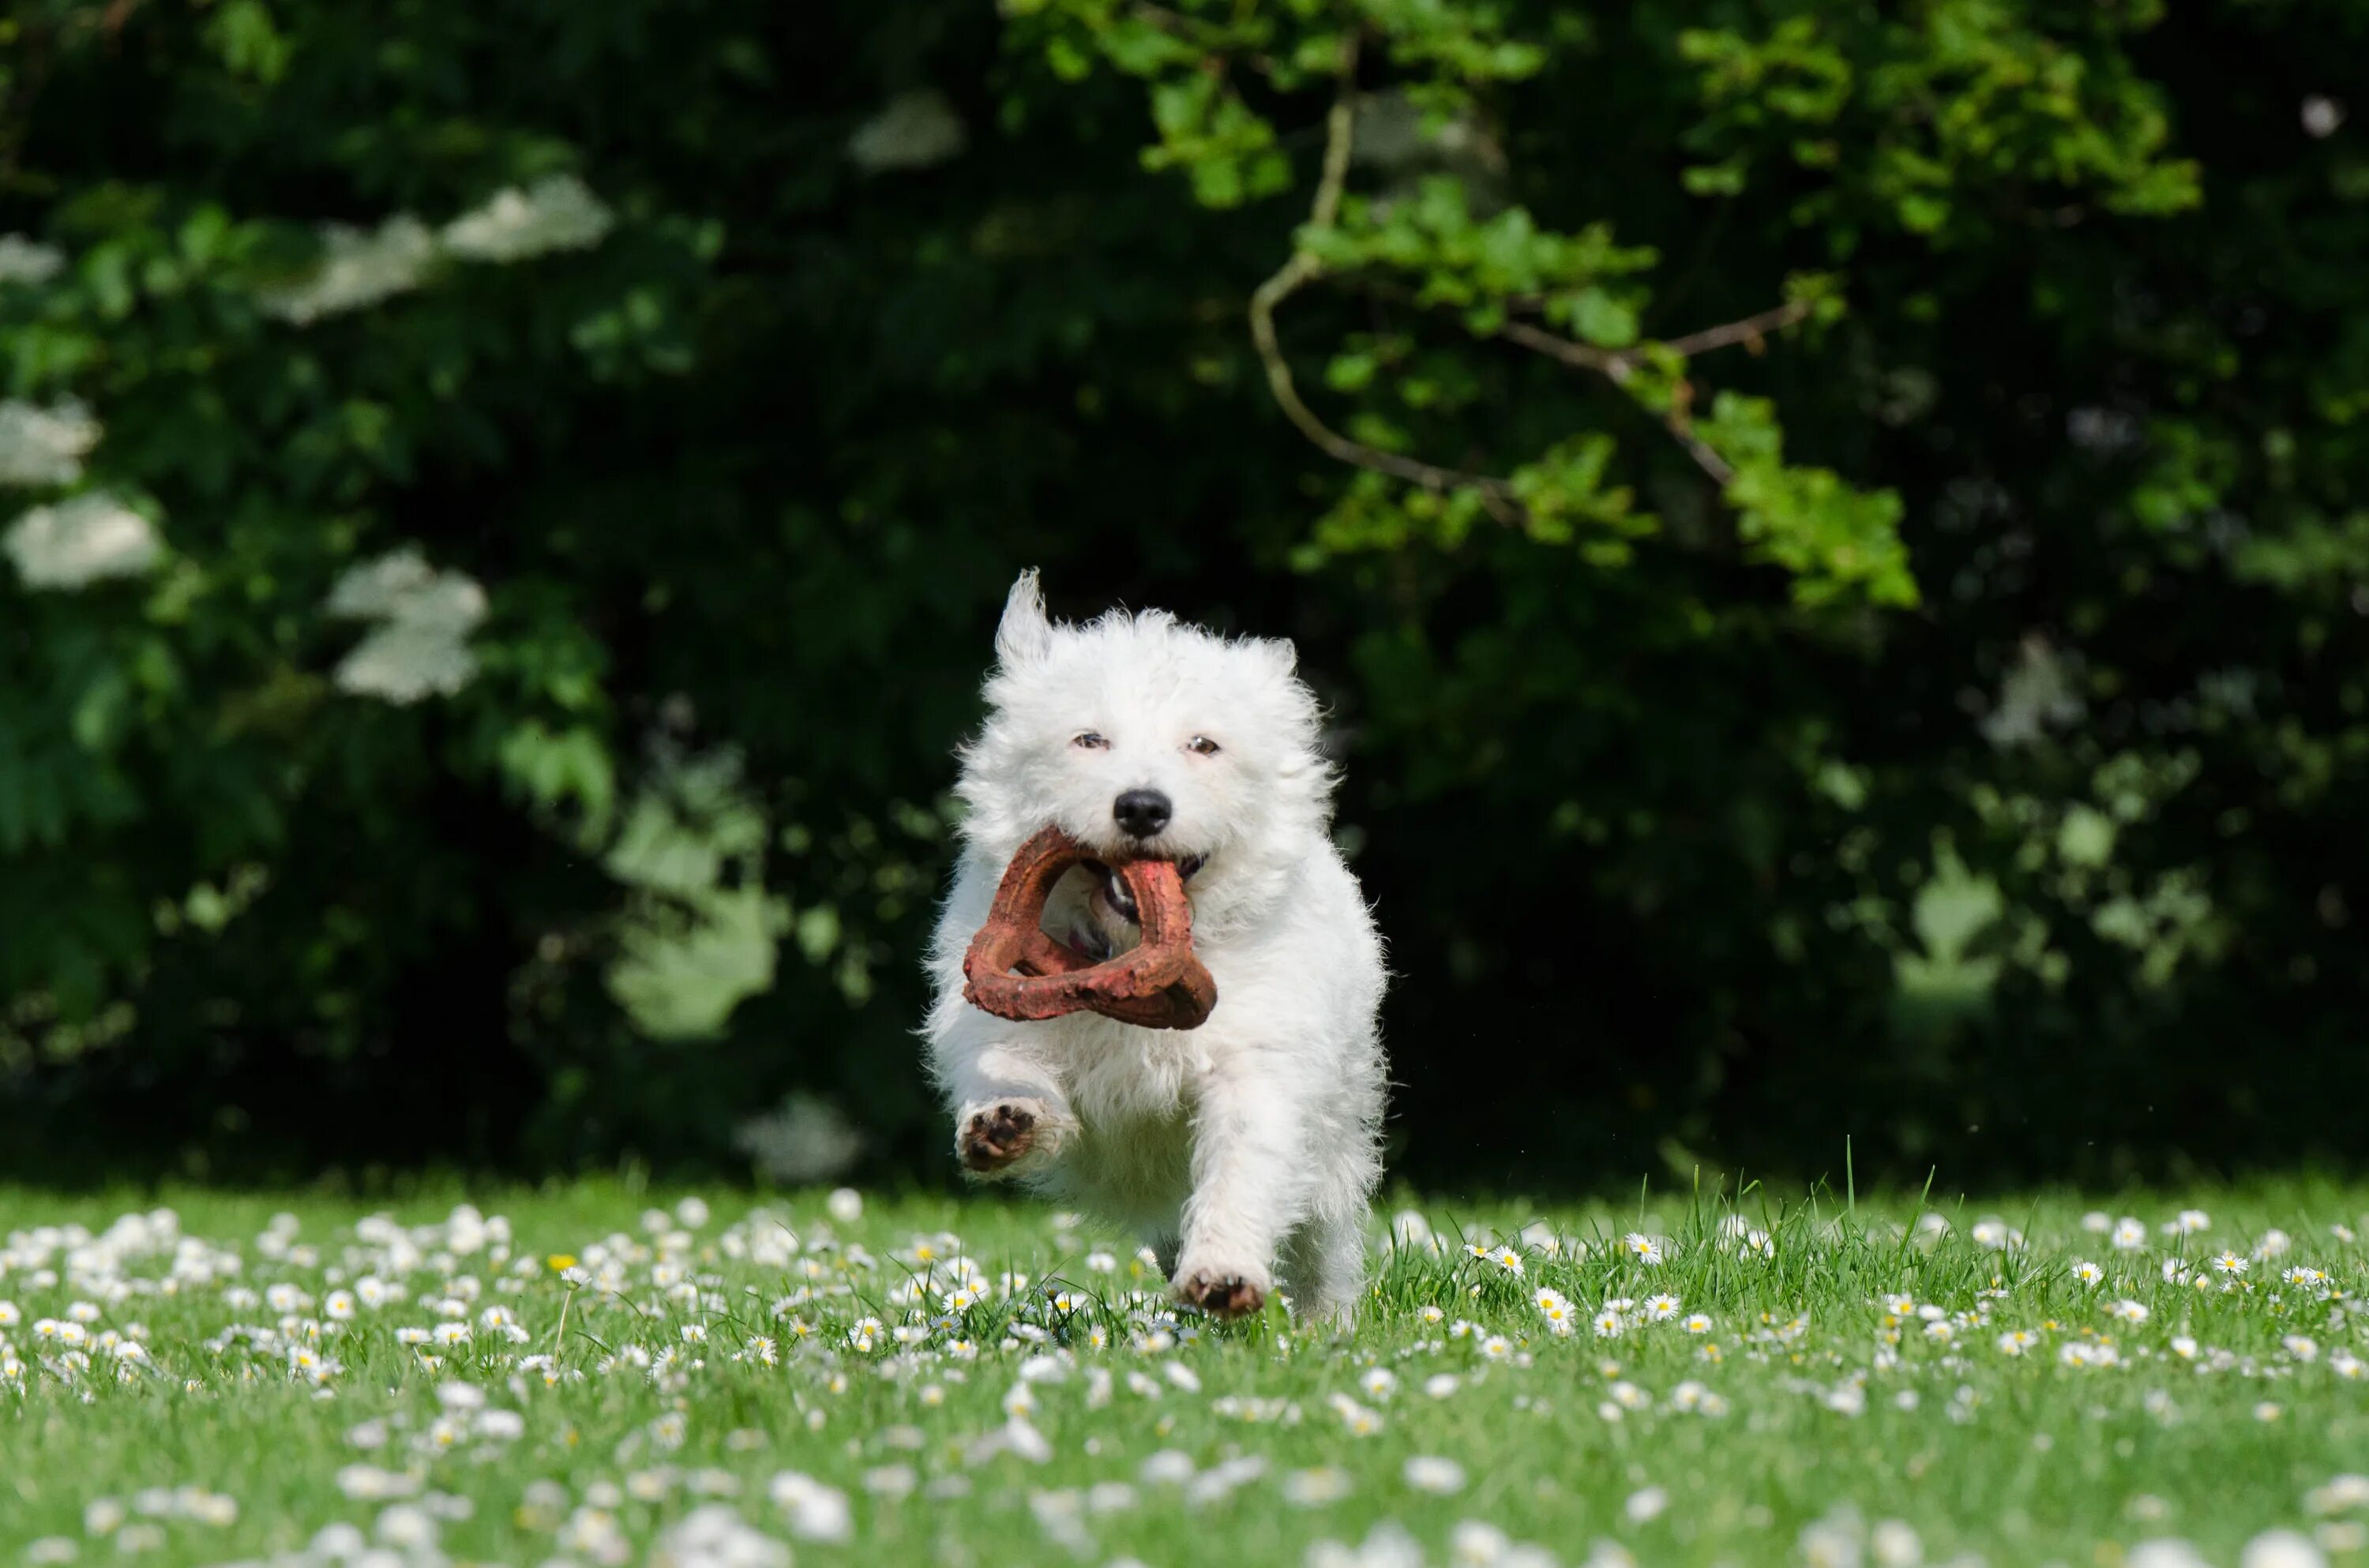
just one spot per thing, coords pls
(994, 1138)
(1223, 1292)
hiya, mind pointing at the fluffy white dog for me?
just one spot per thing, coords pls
(1244, 1149)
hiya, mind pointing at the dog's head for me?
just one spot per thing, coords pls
(1137, 735)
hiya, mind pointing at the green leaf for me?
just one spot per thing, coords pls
(1602, 319)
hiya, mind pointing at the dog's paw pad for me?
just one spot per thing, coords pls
(996, 1136)
(1221, 1295)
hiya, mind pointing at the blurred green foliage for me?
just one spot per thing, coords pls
(1854, 519)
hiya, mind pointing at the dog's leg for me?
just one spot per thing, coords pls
(1011, 1117)
(1324, 1268)
(1250, 1182)
(1163, 1249)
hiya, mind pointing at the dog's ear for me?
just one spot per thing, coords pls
(1025, 632)
(1279, 653)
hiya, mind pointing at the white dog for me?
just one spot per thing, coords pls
(1246, 1149)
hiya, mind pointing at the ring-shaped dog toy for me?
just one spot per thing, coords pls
(1013, 970)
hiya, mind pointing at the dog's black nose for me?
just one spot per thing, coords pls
(1142, 812)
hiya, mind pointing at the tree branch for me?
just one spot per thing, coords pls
(1579, 356)
(1722, 473)
(1619, 362)
(1617, 368)
(1339, 130)
(1619, 365)
(1616, 365)
(1750, 329)
(1302, 270)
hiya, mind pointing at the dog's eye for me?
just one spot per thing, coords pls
(1090, 741)
(1204, 746)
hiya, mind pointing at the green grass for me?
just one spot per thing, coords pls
(1825, 1426)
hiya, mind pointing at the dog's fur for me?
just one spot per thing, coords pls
(1245, 1149)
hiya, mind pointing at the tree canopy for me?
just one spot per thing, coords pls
(1835, 538)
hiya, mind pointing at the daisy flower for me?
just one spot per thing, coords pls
(1440, 1476)
(1644, 1248)
(1314, 1488)
(1662, 1308)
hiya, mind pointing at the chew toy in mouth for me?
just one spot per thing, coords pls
(1114, 886)
(1015, 971)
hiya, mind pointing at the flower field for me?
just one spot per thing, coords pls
(595, 1375)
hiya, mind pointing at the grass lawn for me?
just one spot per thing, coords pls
(591, 1374)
